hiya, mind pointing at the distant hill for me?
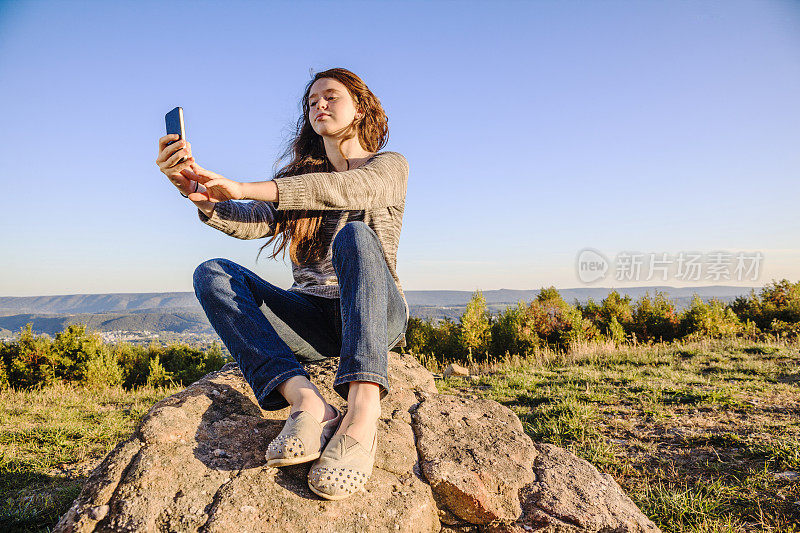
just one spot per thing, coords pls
(148, 301)
(180, 312)
(97, 303)
(177, 321)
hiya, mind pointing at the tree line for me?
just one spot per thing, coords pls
(549, 321)
(79, 355)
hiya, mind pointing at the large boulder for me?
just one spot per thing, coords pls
(484, 470)
(444, 463)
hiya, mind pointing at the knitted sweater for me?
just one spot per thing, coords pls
(374, 193)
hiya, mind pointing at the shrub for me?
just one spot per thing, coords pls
(785, 329)
(4, 383)
(558, 323)
(418, 335)
(80, 356)
(442, 340)
(611, 316)
(548, 320)
(73, 348)
(654, 318)
(29, 360)
(616, 331)
(778, 300)
(475, 326)
(446, 341)
(513, 332)
(712, 319)
(157, 375)
(187, 365)
(102, 370)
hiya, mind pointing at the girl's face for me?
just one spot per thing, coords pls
(330, 107)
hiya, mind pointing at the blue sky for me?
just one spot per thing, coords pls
(533, 130)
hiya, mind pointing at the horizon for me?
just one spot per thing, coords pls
(541, 138)
(611, 288)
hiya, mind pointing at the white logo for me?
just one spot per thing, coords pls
(592, 265)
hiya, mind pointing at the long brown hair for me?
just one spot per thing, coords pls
(299, 228)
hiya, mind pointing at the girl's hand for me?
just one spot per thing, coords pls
(218, 188)
(167, 161)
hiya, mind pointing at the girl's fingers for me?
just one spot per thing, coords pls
(213, 183)
(167, 151)
(198, 176)
(200, 196)
(189, 174)
(176, 158)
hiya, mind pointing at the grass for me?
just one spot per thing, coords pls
(694, 432)
(51, 439)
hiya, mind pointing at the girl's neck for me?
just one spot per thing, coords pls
(351, 148)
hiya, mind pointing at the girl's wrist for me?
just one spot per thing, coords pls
(245, 190)
(266, 191)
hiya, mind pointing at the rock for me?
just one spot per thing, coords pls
(196, 461)
(475, 455)
(455, 370)
(569, 494)
(485, 470)
(788, 475)
(444, 463)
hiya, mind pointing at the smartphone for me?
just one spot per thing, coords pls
(174, 120)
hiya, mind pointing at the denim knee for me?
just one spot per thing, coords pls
(206, 272)
(355, 234)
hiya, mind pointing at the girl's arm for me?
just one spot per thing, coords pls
(243, 220)
(381, 182)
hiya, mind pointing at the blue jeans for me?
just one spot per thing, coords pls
(273, 332)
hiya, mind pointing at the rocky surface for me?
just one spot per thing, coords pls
(444, 463)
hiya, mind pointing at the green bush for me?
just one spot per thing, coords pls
(785, 329)
(80, 356)
(710, 320)
(29, 360)
(616, 331)
(654, 319)
(102, 370)
(777, 301)
(475, 328)
(157, 375)
(73, 348)
(187, 365)
(446, 341)
(4, 383)
(418, 335)
(558, 323)
(611, 316)
(513, 332)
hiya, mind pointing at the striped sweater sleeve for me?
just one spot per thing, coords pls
(243, 220)
(381, 182)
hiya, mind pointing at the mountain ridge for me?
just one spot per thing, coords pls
(138, 302)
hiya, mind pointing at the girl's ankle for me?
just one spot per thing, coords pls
(321, 413)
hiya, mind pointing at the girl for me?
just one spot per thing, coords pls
(338, 208)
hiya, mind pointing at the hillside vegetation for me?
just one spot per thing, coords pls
(550, 322)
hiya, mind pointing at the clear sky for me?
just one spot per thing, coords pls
(533, 130)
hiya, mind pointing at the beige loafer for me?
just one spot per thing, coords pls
(343, 469)
(302, 439)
